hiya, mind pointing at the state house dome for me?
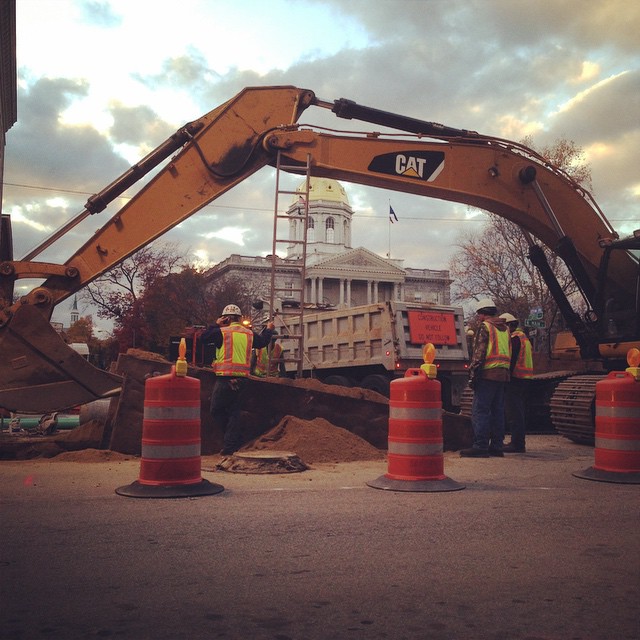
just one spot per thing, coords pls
(324, 189)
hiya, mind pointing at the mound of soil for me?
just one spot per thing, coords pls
(316, 441)
(92, 455)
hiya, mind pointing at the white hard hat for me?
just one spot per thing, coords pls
(507, 317)
(231, 310)
(485, 303)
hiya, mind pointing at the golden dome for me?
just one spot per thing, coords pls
(324, 189)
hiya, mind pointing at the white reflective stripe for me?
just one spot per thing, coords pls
(618, 445)
(159, 451)
(418, 413)
(171, 413)
(618, 412)
(412, 449)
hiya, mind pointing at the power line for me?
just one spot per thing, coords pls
(481, 217)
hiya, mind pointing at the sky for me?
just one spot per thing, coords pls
(102, 83)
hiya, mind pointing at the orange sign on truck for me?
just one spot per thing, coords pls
(432, 326)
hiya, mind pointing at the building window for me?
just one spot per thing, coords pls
(288, 290)
(311, 230)
(330, 230)
(417, 296)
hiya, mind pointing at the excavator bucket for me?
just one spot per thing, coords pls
(40, 373)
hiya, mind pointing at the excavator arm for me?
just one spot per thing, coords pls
(38, 372)
(234, 141)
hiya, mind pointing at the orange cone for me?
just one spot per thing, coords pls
(617, 437)
(170, 465)
(415, 452)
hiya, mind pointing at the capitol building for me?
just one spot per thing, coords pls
(336, 274)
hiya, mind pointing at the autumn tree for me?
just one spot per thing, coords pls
(117, 293)
(494, 261)
(234, 290)
(80, 331)
(176, 301)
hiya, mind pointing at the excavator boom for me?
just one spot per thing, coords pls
(227, 145)
(38, 372)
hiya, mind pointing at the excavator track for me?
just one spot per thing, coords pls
(561, 402)
(573, 408)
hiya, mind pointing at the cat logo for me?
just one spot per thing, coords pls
(422, 165)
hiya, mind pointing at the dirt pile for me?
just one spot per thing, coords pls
(316, 441)
(92, 455)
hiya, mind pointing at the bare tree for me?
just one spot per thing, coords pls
(494, 262)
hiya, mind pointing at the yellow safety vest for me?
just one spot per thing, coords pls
(262, 361)
(234, 357)
(498, 348)
(524, 365)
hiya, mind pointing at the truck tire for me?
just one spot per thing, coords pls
(376, 382)
(340, 381)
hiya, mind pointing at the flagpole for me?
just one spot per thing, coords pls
(389, 223)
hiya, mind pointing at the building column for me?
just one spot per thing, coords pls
(341, 287)
(368, 291)
(349, 292)
(312, 293)
(375, 291)
(320, 292)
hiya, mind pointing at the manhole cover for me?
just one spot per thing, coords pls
(262, 462)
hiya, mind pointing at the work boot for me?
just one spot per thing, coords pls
(511, 448)
(496, 453)
(474, 452)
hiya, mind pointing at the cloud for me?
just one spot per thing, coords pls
(137, 126)
(500, 67)
(101, 14)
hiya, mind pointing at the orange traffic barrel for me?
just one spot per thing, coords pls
(415, 447)
(170, 465)
(617, 434)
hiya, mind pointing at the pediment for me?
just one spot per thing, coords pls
(358, 260)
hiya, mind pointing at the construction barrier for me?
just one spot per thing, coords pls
(415, 447)
(170, 465)
(617, 434)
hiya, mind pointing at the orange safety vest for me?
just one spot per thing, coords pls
(498, 348)
(524, 365)
(262, 361)
(234, 357)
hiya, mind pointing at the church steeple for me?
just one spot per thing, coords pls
(75, 316)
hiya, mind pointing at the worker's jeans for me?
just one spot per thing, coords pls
(487, 414)
(226, 404)
(515, 402)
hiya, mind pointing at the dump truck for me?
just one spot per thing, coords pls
(370, 345)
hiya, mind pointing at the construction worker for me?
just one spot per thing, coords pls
(234, 345)
(516, 391)
(268, 361)
(488, 376)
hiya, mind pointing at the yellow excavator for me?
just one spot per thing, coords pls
(209, 156)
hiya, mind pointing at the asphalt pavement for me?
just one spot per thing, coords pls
(526, 550)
